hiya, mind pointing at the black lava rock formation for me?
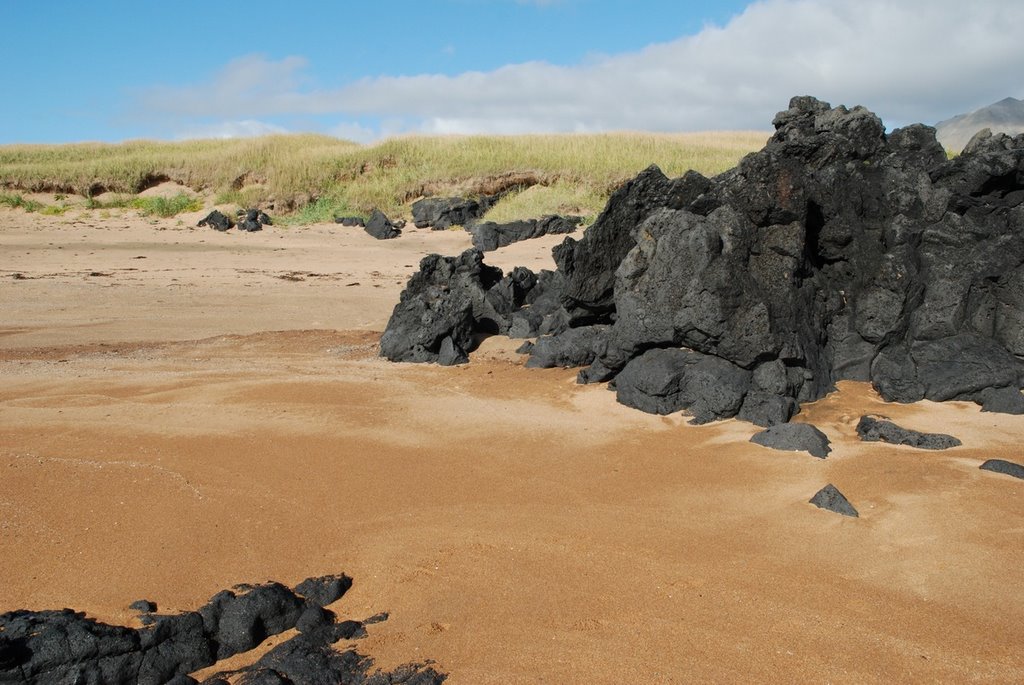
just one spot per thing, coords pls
(66, 648)
(1005, 467)
(249, 221)
(488, 235)
(837, 252)
(380, 227)
(794, 437)
(217, 221)
(871, 429)
(448, 303)
(831, 499)
(252, 220)
(440, 213)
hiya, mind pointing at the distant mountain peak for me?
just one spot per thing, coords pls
(1005, 116)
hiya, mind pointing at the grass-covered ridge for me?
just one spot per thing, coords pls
(316, 177)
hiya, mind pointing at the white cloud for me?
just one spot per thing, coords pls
(916, 60)
(353, 131)
(246, 128)
(251, 85)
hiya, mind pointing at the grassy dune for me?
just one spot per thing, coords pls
(313, 177)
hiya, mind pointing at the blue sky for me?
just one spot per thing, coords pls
(113, 71)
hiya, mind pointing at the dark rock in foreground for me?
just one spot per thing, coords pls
(794, 437)
(837, 252)
(1003, 466)
(380, 227)
(831, 499)
(488, 235)
(217, 221)
(66, 648)
(871, 429)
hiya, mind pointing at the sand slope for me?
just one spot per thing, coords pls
(214, 412)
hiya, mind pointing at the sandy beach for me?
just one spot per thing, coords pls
(182, 410)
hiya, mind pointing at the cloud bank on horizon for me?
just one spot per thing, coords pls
(916, 60)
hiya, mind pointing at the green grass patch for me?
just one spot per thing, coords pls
(322, 210)
(17, 201)
(113, 202)
(166, 206)
(561, 197)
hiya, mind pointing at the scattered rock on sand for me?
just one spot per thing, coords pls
(831, 499)
(871, 429)
(249, 220)
(217, 221)
(794, 437)
(1003, 466)
(380, 227)
(252, 220)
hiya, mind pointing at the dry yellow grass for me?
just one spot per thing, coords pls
(317, 176)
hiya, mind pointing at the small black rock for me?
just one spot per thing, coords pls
(871, 429)
(831, 499)
(216, 221)
(1003, 466)
(794, 437)
(143, 606)
(380, 227)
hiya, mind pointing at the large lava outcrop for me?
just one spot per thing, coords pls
(836, 252)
